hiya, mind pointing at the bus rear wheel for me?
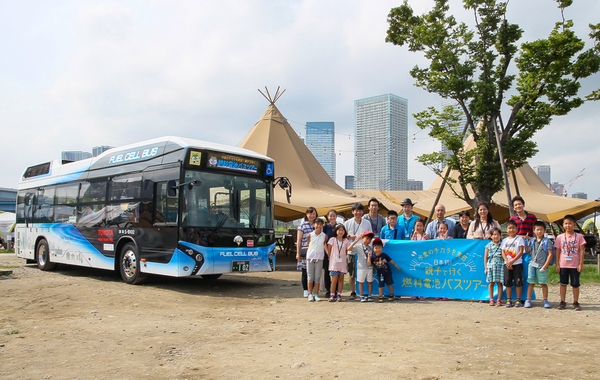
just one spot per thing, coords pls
(42, 254)
(130, 265)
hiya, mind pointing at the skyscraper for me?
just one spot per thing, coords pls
(381, 143)
(458, 128)
(349, 182)
(543, 171)
(97, 150)
(414, 185)
(320, 140)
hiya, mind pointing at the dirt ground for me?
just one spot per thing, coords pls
(79, 323)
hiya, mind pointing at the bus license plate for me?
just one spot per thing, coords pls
(240, 266)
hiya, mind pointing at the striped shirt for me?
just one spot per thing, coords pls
(524, 226)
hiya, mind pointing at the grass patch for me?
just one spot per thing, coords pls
(7, 251)
(589, 274)
(8, 266)
(11, 332)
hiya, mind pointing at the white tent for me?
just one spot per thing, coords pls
(7, 223)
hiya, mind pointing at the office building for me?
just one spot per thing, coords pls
(414, 185)
(349, 185)
(579, 195)
(456, 129)
(8, 199)
(543, 171)
(381, 143)
(557, 188)
(97, 150)
(320, 140)
(74, 155)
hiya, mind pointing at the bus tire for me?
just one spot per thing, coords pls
(42, 256)
(130, 265)
(211, 276)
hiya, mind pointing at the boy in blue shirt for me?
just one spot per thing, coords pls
(382, 262)
(392, 231)
(541, 257)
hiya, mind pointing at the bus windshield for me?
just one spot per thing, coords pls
(222, 200)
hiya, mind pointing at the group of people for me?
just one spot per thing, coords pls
(355, 248)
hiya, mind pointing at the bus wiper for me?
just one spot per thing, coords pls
(251, 221)
(221, 223)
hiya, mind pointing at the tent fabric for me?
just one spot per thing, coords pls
(273, 136)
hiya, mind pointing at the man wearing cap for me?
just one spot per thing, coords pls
(432, 227)
(408, 219)
(377, 221)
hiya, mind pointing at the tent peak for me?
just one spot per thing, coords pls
(268, 96)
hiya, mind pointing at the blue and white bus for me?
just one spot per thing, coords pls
(170, 206)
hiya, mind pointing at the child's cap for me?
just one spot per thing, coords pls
(377, 241)
(368, 233)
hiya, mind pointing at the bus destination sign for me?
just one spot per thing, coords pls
(224, 161)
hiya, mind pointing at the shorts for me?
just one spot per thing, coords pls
(385, 278)
(351, 267)
(336, 273)
(313, 270)
(364, 274)
(515, 274)
(566, 273)
(537, 276)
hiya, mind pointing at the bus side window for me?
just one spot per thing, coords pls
(166, 206)
(45, 208)
(65, 202)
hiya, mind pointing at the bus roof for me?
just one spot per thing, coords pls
(148, 151)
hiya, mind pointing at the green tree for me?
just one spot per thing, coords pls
(474, 67)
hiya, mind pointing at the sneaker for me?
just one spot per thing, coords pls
(498, 303)
(362, 299)
(370, 298)
(413, 298)
(317, 298)
(518, 304)
(398, 298)
(390, 298)
(380, 299)
(576, 306)
(305, 293)
(338, 297)
(509, 303)
(332, 298)
(327, 294)
(352, 296)
(547, 304)
(562, 305)
(422, 298)
(491, 302)
(527, 304)
(444, 299)
(311, 298)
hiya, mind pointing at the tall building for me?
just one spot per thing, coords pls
(320, 140)
(455, 128)
(97, 150)
(558, 188)
(8, 199)
(543, 171)
(74, 155)
(381, 143)
(579, 195)
(349, 185)
(414, 185)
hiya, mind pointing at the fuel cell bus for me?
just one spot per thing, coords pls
(170, 206)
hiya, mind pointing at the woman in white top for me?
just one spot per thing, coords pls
(484, 224)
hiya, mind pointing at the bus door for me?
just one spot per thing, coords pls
(25, 238)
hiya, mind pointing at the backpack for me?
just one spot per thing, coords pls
(545, 242)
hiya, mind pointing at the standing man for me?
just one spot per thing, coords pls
(377, 221)
(408, 219)
(355, 227)
(432, 227)
(524, 221)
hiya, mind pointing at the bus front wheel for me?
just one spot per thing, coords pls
(43, 256)
(130, 265)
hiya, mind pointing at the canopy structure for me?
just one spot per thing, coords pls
(7, 223)
(273, 136)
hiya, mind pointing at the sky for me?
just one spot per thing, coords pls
(78, 74)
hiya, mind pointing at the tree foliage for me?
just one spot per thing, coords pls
(476, 68)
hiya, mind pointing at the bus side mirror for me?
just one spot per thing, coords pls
(172, 188)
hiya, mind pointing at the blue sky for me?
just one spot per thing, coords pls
(75, 74)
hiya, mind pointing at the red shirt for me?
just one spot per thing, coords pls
(525, 226)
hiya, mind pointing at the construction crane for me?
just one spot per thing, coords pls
(567, 185)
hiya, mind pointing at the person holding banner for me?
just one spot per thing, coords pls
(361, 249)
(432, 228)
(419, 233)
(408, 219)
(382, 262)
(393, 230)
(494, 265)
(484, 223)
(443, 231)
(460, 229)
